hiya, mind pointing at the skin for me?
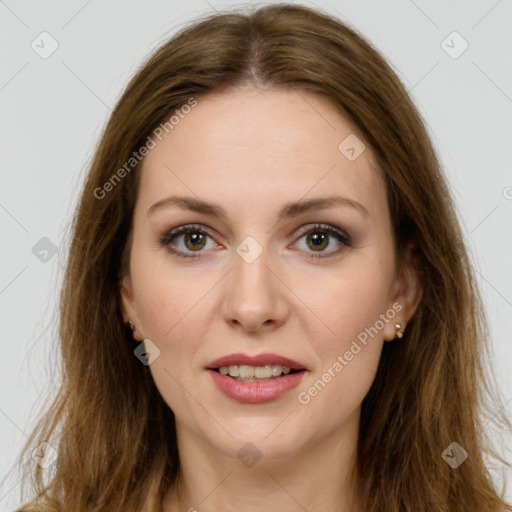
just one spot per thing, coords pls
(251, 151)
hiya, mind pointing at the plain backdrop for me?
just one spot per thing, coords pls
(53, 108)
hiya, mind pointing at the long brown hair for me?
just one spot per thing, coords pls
(114, 434)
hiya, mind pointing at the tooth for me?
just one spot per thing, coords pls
(246, 372)
(263, 372)
(234, 370)
(277, 369)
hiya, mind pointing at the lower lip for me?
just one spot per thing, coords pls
(256, 392)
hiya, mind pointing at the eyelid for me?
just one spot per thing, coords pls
(175, 232)
(321, 226)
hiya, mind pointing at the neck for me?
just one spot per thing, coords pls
(316, 478)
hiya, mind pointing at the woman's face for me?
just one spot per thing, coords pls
(254, 276)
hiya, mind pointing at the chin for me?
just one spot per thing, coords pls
(260, 439)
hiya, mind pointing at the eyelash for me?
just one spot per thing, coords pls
(166, 239)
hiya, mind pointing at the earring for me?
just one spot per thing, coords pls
(399, 331)
(131, 325)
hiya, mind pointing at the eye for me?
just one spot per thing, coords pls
(195, 238)
(318, 237)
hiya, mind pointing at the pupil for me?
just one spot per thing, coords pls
(318, 240)
(196, 237)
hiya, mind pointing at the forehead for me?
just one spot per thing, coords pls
(258, 147)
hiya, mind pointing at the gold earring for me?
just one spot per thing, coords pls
(399, 331)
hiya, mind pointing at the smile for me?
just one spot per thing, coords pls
(248, 373)
(255, 379)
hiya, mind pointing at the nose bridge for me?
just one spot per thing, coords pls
(253, 297)
(251, 262)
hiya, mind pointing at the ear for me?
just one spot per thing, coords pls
(128, 306)
(408, 292)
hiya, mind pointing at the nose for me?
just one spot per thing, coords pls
(255, 296)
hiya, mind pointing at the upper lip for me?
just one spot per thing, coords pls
(255, 360)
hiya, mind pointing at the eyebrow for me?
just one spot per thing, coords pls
(288, 210)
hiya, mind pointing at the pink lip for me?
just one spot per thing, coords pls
(255, 392)
(258, 360)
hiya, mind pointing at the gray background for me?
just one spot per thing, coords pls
(53, 109)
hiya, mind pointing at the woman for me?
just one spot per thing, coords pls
(264, 211)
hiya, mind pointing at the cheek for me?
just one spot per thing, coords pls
(353, 307)
(167, 296)
(346, 303)
(175, 313)
(349, 358)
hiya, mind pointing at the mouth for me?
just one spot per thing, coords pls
(256, 379)
(246, 373)
(257, 368)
